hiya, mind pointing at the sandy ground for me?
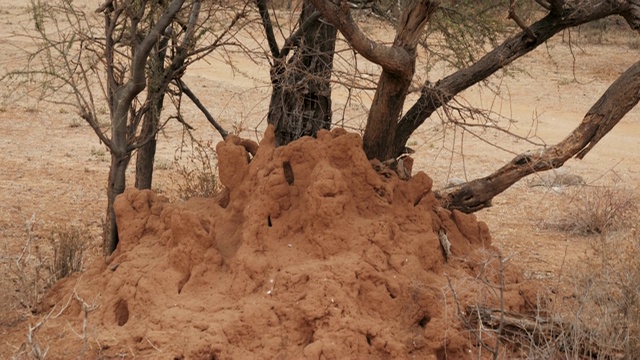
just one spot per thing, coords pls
(57, 171)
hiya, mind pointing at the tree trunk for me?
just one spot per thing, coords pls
(384, 114)
(397, 61)
(147, 152)
(393, 86)
(117, 183)
(617, 101)
(120, 156)
(301, 97)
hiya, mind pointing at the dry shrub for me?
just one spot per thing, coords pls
(198, 177)
(38, 267)
(68, 244)
(602, 316)
(597, 210)
(595, 313)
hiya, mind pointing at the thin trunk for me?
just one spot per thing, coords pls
(117, 182)
(120, 157)
(301, 97)
(147, 153)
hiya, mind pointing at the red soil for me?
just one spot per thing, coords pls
(328, 261)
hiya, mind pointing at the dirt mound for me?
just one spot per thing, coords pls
(309, 253)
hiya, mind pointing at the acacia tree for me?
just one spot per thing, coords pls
(144, 45)
(388, 129)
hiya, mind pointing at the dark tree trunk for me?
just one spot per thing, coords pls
(147, 152)
(117, 183)
(301, 97)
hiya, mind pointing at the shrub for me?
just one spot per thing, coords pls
(35, 269)
(68, 244)
(598, 210)
(198, 177)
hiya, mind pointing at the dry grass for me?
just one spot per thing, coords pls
(599, 317)
(43, 260)
(593, 210)
(196, 176)
(68, 245)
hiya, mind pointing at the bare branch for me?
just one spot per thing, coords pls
(268, 28)
(138, 82)
(185, 89)
(513, 16)
(633, 15)
(544, 3)
(106, 6)
(393, 59)
(616, 102)
(295, 37)
(434, 96)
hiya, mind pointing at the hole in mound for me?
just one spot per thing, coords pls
(288, 172)
(269, 221)
(424, 321)
(369, 338)
(391, 294)
(122, 312)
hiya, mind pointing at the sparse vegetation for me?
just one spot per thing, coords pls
(99, 153)
(597, 210)
(33, 272)
(606, 297)
(45, 260)
(68, 244)
(196, 174)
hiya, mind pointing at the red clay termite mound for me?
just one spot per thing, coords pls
(309, 253)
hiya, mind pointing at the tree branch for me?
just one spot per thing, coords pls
(268, 28)
(185, 89)
(295, 37)
(138, 79)
(393, 59)
(433, 97)
(633, 15)
(614, 104)
(513, 16)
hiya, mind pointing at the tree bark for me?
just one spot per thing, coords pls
(398, 65)
(301, 97)
(147, 152)
(155, 97)
(393, 86)
(617, 101)
(117, 183)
